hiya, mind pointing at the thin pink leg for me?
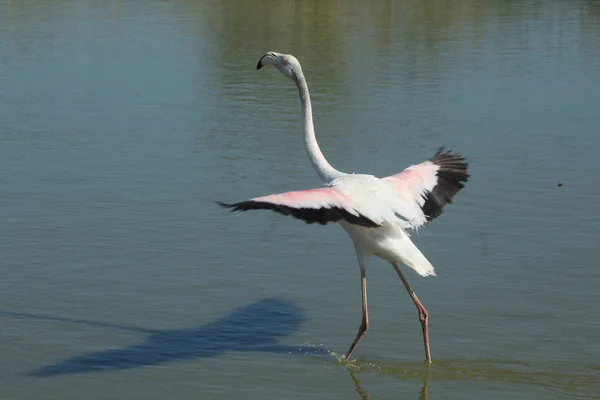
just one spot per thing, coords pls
(423, 315)
(364, 326)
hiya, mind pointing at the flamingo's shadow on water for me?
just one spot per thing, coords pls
(255, 327)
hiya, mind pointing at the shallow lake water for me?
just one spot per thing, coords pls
(121, 122)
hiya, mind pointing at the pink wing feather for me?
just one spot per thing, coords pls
(321, 205)
(433, 183)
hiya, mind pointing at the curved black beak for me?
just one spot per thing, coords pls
(259, 65)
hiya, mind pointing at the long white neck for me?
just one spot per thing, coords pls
(317, 159)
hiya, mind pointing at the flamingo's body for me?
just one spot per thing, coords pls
(376, 212)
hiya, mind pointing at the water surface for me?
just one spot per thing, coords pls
(122, 122)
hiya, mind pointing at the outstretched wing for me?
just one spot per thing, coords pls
(417, 194)
(313, 206)
(430, 185)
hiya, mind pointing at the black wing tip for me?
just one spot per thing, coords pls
(444, 154)
(309, 215)
(241, 206)
(451, 161)
(452, 176)
(225, 205)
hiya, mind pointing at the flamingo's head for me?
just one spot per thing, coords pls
(287, 64)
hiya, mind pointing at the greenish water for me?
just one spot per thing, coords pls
(122, 122)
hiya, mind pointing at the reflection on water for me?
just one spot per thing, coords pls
(364, 396)
(560, 378)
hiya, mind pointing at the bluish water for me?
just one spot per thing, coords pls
(122, 122)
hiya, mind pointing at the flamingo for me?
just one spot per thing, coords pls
(377, 213)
